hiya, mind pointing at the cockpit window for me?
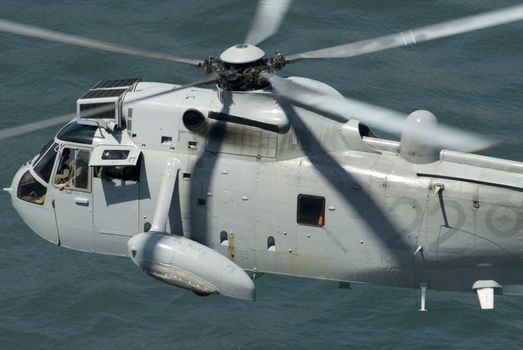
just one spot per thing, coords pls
(73, 170)
(44, 164)
(30, 190)
(78, 133)
(44, 150)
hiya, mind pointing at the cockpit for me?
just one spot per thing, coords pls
(71, 170)
(90, 160)
(84, 164)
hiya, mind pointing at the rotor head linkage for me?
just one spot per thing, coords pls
(239, 67)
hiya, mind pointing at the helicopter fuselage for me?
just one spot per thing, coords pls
(319, 199)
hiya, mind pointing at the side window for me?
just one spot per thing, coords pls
(119, 172)
(73, 170)
(311, 210)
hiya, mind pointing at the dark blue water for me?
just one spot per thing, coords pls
(52, 298)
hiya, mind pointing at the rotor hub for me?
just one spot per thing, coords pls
(239, 67)
(242, 54)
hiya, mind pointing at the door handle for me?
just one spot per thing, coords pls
(81, 200)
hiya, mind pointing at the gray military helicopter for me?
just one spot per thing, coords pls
(267, 174)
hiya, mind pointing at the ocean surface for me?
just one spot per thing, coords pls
(53, 298)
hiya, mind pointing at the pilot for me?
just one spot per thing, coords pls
(63, 174)
(69, 169)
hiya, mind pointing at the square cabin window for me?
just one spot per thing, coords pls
(311, 210)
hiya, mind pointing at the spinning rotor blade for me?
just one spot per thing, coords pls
(50, 35)
(375, 116)
(44, 124)
(267, 20)
(463, 25)
(211, 79)
(36, 126)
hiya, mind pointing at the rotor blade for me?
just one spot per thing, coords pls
(415, 36)
(211, 79)
(50, 35)
(375, 116)
(44, 124)
(269, 15)
(36, 126)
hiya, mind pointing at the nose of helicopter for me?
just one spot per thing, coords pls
(12, 189)
(9, 190)
(15, 179)
(28, 197)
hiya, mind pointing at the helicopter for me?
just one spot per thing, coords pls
(266, 174)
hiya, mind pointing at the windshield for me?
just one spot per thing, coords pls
(30, 190)
(44, 164)
(43, 150)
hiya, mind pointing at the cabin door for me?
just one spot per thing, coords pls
(116, 191)
(116, 198)
(72, 196)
